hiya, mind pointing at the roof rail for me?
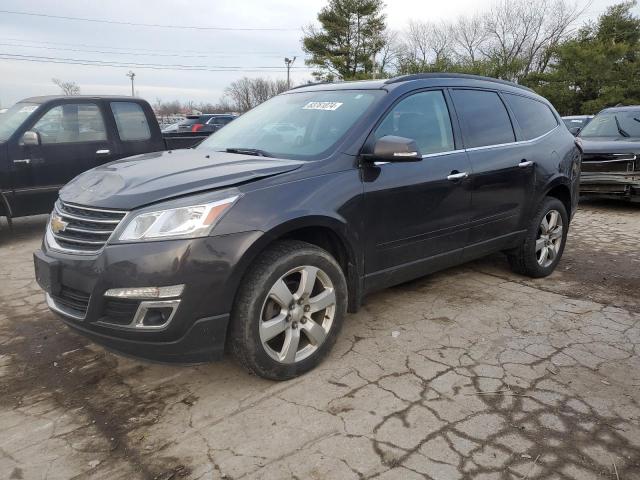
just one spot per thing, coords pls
(425, 76)
(311, 84)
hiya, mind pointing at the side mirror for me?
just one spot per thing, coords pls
(395, 149)
(30, 138)
(575, 131)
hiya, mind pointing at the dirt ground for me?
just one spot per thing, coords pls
(470, 373)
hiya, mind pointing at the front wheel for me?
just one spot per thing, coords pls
(288, 310)
(542, 248)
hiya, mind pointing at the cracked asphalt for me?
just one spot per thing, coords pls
(473, 372)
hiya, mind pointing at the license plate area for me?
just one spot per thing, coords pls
(47, 273)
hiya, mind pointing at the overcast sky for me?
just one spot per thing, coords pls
(30, 36)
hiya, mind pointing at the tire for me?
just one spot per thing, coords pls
(262, 307)
(526, 258)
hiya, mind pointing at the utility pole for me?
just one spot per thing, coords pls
(131, 75)
(288, 62)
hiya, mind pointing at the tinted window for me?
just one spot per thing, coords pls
(71, 123)
(534, 117)
(131, 121)
(423, 117)
(484, 116)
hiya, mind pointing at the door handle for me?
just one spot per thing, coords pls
(26, 161)
(525, 163)
(103, 152)
(455, 175)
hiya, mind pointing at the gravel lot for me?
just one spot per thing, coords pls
(558, 361)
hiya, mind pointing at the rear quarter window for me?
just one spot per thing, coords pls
(484, 118)
(534, 117)
(131, 121)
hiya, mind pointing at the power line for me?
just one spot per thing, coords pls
(152, 25)
(127, 48)
(147, 54)
(100, 63)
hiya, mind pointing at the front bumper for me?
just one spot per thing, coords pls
(613, 175)
(208, 267)
(623, 185)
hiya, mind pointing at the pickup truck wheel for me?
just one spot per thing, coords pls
(288, 311)
(544, 243)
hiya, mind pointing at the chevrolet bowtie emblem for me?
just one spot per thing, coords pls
(57, 224)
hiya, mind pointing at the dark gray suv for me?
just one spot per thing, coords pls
(261, 241)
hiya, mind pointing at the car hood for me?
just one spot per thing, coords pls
(609, 145)
(152, 177)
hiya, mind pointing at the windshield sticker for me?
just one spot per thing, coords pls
(28, 109)
(322, 106)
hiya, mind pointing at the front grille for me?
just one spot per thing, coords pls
(608, 162)
(86, 229)
(72, 299)
(119, 310)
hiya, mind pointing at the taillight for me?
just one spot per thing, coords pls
(197, 127)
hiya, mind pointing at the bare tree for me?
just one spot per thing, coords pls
(519, 32)
(387, 58)
(67, 88)
(468, 35)
(428, 42)
(247, 93)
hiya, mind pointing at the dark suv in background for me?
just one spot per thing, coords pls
(208, 122)
(263, 240)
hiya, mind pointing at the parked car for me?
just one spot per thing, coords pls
(610, 163)
(46, 141)
(207, 122)
(263, 243)
(172, 128)
(216, 122)
(575, 123)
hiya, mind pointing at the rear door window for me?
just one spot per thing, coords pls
(484, 118)
(534, 117)
(131, 121)
(423, 117)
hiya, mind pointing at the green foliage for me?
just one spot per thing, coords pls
(351, 33)
(597, 69)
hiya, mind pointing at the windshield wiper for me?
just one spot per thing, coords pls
(621, 130)
(248, 151)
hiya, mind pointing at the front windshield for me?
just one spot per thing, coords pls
(296, 125)
(621, 124)
(13, 118)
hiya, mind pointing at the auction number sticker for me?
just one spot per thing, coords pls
(322, 106)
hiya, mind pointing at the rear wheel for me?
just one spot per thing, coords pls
(542, 248)
(288, 311)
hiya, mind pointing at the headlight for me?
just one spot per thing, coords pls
(182, 222)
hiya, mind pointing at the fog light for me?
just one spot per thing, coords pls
(143, 293)
(156, 317)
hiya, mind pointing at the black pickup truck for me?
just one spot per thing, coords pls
(47, 141)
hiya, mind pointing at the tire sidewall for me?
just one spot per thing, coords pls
(549, 203)
(261, 361)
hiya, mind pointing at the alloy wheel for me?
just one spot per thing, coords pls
(297, 314)
(549, 241)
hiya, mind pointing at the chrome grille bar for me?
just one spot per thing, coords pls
(85, 230)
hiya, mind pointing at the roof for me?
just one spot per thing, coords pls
(378, 84)
(49, 98)
(576, 117)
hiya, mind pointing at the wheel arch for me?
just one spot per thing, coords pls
(560, 189)
(327, 233)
